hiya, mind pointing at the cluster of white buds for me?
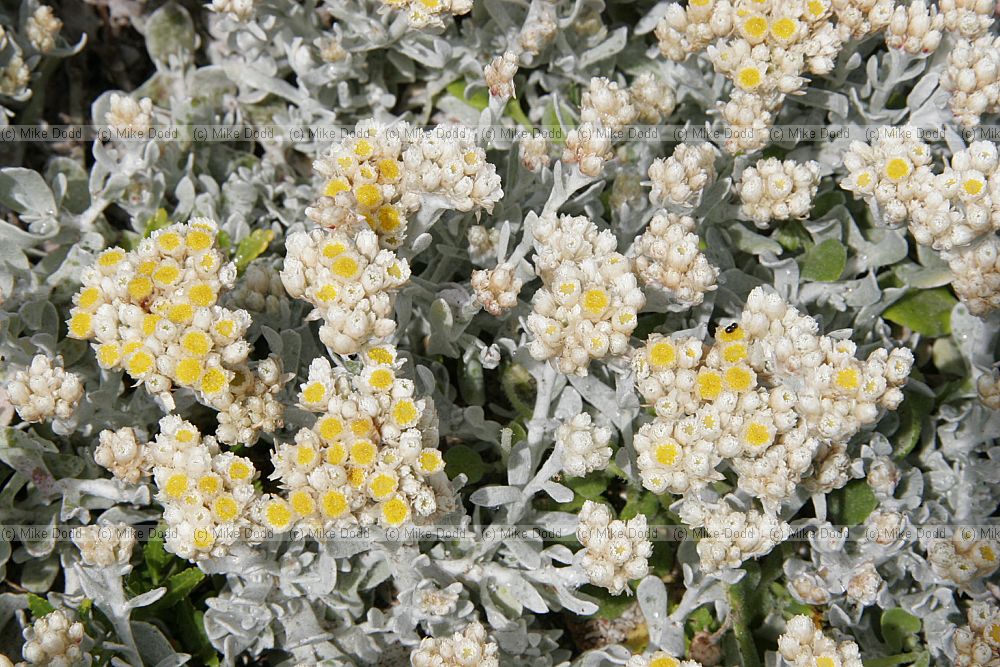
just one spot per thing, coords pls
(858, 18)
(154, 312)
(539, 29)
(127, 116)
(652, 98)
(15, 76)
(751, 120)
(972, 76)
(683, 30)
(42, 28)
(240, 10)
(976, 275)
(534, 152)
(255, 407)
(586, 308)
(614, 552)
(680, 179)
(105, 545)
(350, 282)
(777, 190)
(499, 75)
(964, 557)
(915, 28)
(893, 172)
(589, 147)
(605, 104)
(729, 536)
(54, 641)
(805, 645)
(659, 659)
(968, 18)
(469, 648)
(497, 289)
(121, 454)
(44, 390)
(382, 174)
(988, 387)
(371, 456)
(667, 256)
(429, 13)
(978, 643)
(584, 445)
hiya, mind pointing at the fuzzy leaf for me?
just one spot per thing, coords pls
(462, 459)
(825, 261)
(39, 606)
(927, 312)
(852, 504)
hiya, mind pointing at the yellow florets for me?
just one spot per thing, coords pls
(80, 325)
(277, 514)
(662, 354)
(329, 428)
(213, 381)
(395, 511)
(333, 504)
(314, 392)
(749, 78)
(405, 413)
(177, 485)
(302, 502)
(666, 453)
(431, 461)
(848, 379)
(897, 168)
(225, 508)
(709, 384)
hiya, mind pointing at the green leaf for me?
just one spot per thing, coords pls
(179, 586)
(471, 383)
(39, 606)
(645, 503)
(852, 504)
(480, 99)
(463, 459)
(825, 261)
(224, 241)
(158, 221)
(897, 625)
(589, 488)
(911, 418)
(741, 600)
(190, 626)
(927, 312)
(915, 658)
(252, 247)
(792, 236)
(156, 557)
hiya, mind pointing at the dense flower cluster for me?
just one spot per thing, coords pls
(978, 643)
(964, 557)
(586, 308)
(915, 28)
(777, 190)
(44, 391)
(973, 79)
(614, 552)
(976, 275)
(731, 536)
(805, 645)
(497, 289)
(680, 179)
(105, 545)
(349, 281)
(659, 659)
(54, 641)
(463, 649)
(154, 313)
(383, 174)
(371, 456)
(668, 257)
(429, 13)
(584, 445)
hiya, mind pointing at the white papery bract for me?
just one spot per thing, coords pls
(777, 190)
(463, 649)
(805, 645)
(584, 445)
(976, 275)
(978, 643)
(680, 179)
(964, 557)
(659, 659)
(105, 545)
(44, 391)
(972, 76)
(54, 641)
(667, 256)
(915, 29)
(614, 552)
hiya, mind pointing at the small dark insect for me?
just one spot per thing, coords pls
(732, 327)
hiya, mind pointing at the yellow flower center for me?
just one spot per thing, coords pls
(213, 381)
(897, 168)
(180, 313)
(405, 412)
(389, 169)
(755, 27)
(139, 364)
(277, 514)
(666, 453)
(595, 301)
(333, 504)
(336, 454)
(224, 508)
(89, 298)
(749, 78)
(709, 384)
(169, 241)
(302, 502)
(383, 486)
(430, 460)
(80, 325)
(849, 379)
(784, 28)
(739, 378)
(329, 428)
(662, 354)
(314, 392)
(176, 485)
(368, 195)
(108, 355)
(240, 470)
(395, 511)
(210, 485)
(110, 258)
(363, 453)
(198, 240)
(201, 294)
(380, 355)
(381, 379)
(139, 288)
(758, 434)
(972, 186)
(304, 455)
(345, 267)
(196, 342)
(188, 371)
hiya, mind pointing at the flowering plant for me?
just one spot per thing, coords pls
(489, 332)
